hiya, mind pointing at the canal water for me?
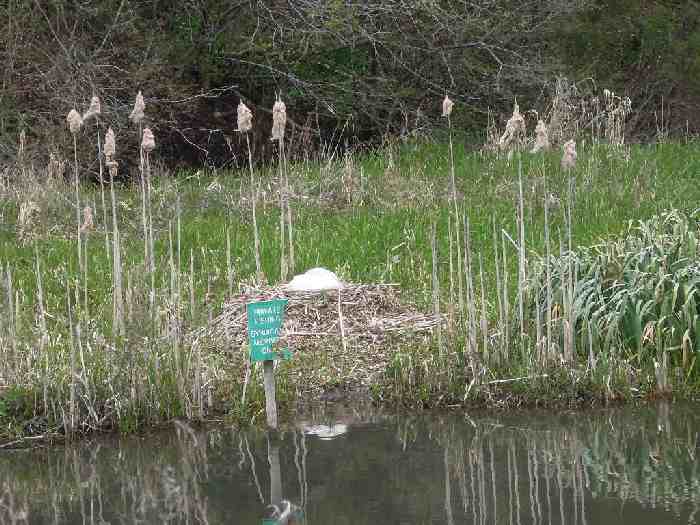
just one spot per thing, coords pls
(616, 466)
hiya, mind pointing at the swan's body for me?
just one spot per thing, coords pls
(315, 280)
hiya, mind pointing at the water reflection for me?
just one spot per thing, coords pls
(614, 466)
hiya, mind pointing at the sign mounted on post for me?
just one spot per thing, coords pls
(264, 325)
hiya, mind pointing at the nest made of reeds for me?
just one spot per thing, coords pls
(368, 313)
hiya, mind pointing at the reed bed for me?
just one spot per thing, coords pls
(98, 315)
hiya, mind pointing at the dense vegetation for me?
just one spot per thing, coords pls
(349, 71)
(103, 340)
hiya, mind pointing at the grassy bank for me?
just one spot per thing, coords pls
(98, 336)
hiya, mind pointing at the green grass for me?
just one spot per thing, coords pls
(367, 217)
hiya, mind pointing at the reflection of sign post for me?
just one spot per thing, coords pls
(284, 512)
(264, 324)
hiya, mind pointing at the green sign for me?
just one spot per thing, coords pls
(264, 324)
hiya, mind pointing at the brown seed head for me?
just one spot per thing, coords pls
(245, 118)
(94, 109)
(148, 142)
(541, 137)
(88, 223)
(110, 144)
(75, 121)
(568, 159)
(279, 120)
(447, 105)
(137, 114)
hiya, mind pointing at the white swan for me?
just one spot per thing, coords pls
(314, 280)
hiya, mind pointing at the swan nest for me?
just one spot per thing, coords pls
(334, 346)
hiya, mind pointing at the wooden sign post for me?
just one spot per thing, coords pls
(264, 324)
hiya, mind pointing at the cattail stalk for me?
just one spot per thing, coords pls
(229, 264)
(506, 302)
(521, 257)
(436, 286)
(72, 406)
(43, 342)
(447, 106)
(469, 278)
(499, 294)
(548, 315)
(279, 121)
(118, 327)
(147, 146)
(75, 122)
(94, 111)
(254, 204)
(484, 319)
(245, 124)
(450, 306)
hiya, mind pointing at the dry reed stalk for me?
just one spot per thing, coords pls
(469, 278)
(44, 340)
(72, 407)
(541, 137)
(75, 122)
(484, 319)
(21, 160)
(451, 303)
(436, 284)
(572, 274)
(85, 228)
(341, 324)
(499, 292)
(94, 112)
(191, 276)
(229, 263)
(148, 144)
(279, 121)
(118, 325)
(548, 350)
(12, 324)
(447, 106)
(521, 257)
(568, 160)
(245, 124)
(506, 301)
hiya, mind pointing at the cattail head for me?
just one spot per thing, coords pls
(94, 109)
(88, 223)
(541, 137)
(245, 118)
(75, 121)
(22, 142)
(447, 106)
(137, 114)
(568, 159)
(113, 167)
(148, 142)
(279, 120)
(110, 144)
(515, 129)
